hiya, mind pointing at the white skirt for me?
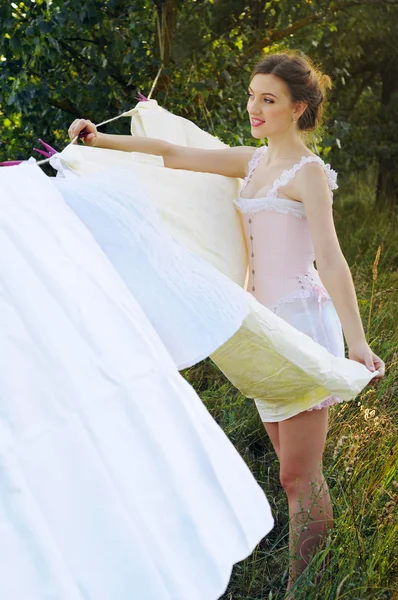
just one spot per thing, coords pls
(317, 318)
(115, 482)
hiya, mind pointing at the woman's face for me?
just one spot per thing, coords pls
(270, 107)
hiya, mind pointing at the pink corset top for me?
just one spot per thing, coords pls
(281, 253)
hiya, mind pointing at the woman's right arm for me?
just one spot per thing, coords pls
(231, 162)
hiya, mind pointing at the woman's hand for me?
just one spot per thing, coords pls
(363, 354)
(86, 130)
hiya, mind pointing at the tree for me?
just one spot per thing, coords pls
(361, 55)
(63, 60)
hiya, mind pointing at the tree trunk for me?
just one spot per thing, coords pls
(167, 20)
(167, 11)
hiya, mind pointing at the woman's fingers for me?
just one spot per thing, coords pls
(78, 126)
(364, 355)
(72, 129)
(379, 365)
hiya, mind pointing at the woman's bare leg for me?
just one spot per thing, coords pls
(301, 442)
(273, 433)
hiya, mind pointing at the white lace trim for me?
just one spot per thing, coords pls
(331, 176)
(253, 163)
(288, 174)
(292, 298)
(249, 205)
(246, 205)
(329, 401)
(310, 288)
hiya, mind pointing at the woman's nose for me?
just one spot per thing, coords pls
(254, 107)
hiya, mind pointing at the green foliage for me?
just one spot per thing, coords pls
(67, 59)
(360, 53)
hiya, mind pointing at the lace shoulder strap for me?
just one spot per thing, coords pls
(253, 164)
(289, 174)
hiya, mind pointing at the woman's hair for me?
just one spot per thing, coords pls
(304, 81)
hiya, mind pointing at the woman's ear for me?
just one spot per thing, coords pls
(299, 109)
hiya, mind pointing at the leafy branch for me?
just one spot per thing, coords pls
(276, 36)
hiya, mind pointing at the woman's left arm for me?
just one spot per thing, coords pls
(313, 190)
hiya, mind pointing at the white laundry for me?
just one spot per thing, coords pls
(115, 482)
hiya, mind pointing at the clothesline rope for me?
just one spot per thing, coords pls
(125, 114)
(47, 160)
(155, 82)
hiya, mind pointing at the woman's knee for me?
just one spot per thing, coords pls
(297, 481)
(290, 479)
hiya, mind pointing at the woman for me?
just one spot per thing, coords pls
(286, 204)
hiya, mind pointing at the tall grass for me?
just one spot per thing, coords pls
(361, 453)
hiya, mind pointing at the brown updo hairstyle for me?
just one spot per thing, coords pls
(304, 81)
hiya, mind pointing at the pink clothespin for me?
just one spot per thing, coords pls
(50, 150)
(11, 163)
(141, 98)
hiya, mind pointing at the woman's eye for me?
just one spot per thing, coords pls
(266, 100)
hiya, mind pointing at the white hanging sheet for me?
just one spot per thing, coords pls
(115, 482)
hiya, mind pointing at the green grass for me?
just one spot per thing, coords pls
(361, 453)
